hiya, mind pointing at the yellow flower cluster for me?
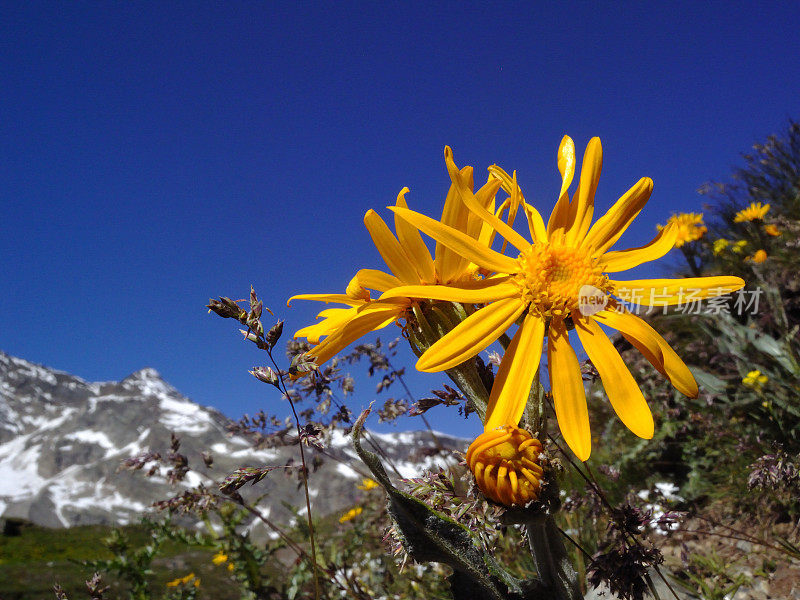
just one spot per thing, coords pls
(538, 290)
(719, 246)
(755, 380)
(754, 212)
(189, 579)
(689, 227)
(351, 514)
(738, 246)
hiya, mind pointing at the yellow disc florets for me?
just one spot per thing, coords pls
(551, 278)
(505, 462)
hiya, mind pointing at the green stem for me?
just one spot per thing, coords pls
(550, 556)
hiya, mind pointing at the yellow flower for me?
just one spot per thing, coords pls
(230, 567)
(542, 289)
(755, 211)
(688, 226)
(351, 514)
(368, 484)
(411, 263)
(755, 380)
(772, 230)
(720, 245)
(183, 581)
(738, 247)
(219, 558)
(505, 462)
(759, 257)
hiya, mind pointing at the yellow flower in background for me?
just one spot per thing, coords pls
(759, 257)
(738, 246)
(368, 484)
(183, 581)
(755, 211)
(689, 227)
(720, 245)
(755, 380)
(219, 558)
(772, 230)
(542, 289)
(351, 514)
(410, 262)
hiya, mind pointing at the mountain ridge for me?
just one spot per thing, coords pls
(62, 440)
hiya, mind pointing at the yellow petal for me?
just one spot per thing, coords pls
(333, 319)
(459, 242)
(499, 226)
(485, 197)
(655, 348)
(608, 228)
(513, 381)
(479, 291)
(569, 397)
(450, 264)
(375, 279)
(557, 224)
(471, 336)
(669, 292)
(390, 249)
(583, 206)
(372, 317)
(535, 223)
(412, 243)
(338, 298)
(566, 163)
(621, 388)
(622, 260)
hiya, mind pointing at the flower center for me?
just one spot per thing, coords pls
(505, 462)
(551, 278)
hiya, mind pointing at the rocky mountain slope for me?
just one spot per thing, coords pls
(62, 440)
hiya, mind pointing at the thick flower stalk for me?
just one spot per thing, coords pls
(543, 290)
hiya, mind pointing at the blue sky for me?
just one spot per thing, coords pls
(154, 155)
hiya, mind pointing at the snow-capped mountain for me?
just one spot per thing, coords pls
(62, 440)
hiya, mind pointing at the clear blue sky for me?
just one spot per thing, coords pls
(155, 154)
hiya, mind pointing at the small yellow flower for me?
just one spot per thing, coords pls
(505, 462)
(720, 245)
(351, 514)
(755, 211)
(230, 567)
(738, 247)
(759, 257)
(183, 581)
(772, 230)
(368, 484)
(219, 558)
(755, 380)
(689, 227)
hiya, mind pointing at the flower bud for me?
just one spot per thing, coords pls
(505, 462)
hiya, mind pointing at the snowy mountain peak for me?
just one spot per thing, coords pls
(149, 382)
